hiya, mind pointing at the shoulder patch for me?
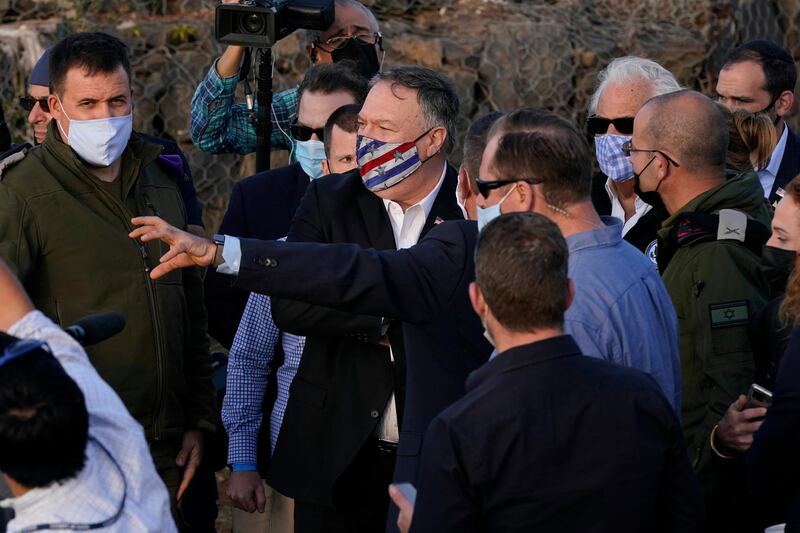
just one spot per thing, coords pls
(12, 160)
(651, 252)
(729, 314)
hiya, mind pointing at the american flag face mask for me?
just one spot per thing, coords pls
(384, 164)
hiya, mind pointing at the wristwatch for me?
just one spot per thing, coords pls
(219, 240)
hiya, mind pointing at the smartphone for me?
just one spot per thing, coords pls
(758, 396)
(408, 490)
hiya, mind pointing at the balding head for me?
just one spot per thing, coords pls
(687, 126)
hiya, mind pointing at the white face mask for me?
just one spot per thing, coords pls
(99, 142)
(487, 214)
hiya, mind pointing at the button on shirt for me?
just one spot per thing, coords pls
(407, 228)
(94, 495)
(767, 176)
(641, 208)
(622, 311)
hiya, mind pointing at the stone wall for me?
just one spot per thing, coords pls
(502, 54)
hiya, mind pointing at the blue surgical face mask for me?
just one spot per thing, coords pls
(310, 154)
(487, 214)
(612, 161)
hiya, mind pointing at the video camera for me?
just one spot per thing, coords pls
(262, 23)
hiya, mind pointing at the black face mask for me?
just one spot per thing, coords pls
(362, 53)
(650, 197)
(776, 266)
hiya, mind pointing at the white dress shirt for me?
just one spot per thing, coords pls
(95, 494)
(768, 175)
(641, 208)
(407, 227)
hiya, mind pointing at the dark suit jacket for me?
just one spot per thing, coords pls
(773, 464)
(645, 231)
(546, 439)
(425, 287)
(790, 165)
(260, 207)
(345, 377)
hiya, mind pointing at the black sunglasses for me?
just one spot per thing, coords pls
(28, 102)
(304, 133)
(627, 148)
(599, 125)
(485, 187)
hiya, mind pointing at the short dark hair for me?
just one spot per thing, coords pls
(537, 143)
(776, 62)
(475, 143)
(328, 78)
(690, 126)
(346, 118)
(436, 96)
(95, 52)
(521, 270)
(44, 424)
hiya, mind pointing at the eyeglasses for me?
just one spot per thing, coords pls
(599, 125)
(627, 148)
(28, 102)
(20, 348)
(485, 187)
(334, 43)
(304, 133)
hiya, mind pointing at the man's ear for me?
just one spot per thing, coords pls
(326, 169)
(55, 106)
(438, 136)
(784, 103)
(476, 297)
(524, 194)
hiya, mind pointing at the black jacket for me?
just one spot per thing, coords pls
(345, 377)
(790, 165)
(546, 439)
(260, 207)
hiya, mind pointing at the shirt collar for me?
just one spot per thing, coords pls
(640, 205)
(608, 235)
(525, 355)
(777, 154)
(427, 202)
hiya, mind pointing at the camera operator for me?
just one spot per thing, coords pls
(72, 454)
(221, 126)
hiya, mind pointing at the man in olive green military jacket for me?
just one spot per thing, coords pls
(708, 254)
(65, 212)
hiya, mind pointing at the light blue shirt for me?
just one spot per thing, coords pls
(768, 175)
(622, 311)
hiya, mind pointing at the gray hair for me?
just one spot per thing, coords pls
(436, 96)
(309, 37)
(632, 69)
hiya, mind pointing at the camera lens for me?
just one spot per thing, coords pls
(252, 23)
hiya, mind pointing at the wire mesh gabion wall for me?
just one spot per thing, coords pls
(502, 54)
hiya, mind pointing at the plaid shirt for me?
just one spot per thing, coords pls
(220, 126)
(248, 368)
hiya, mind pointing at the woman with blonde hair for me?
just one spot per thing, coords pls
(752, 140)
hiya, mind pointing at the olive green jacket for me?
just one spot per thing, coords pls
(716, 289)
(66, 238)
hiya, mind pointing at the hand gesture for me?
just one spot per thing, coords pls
(185, 249)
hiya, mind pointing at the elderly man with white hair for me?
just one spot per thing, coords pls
(622, 89)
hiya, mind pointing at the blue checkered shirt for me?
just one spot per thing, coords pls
(248, 368)
(220, 126)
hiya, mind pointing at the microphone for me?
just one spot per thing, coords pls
(92, 329)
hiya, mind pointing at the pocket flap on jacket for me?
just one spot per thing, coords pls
(410, 444)
(306, 392)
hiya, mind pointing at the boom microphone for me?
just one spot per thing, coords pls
(92, 329)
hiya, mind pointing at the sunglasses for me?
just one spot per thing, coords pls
(486, 187)
(304, 133)
(599, 125)
(28, 102)
(627, 148)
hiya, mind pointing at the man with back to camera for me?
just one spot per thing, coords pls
(262, 206)
(75, 263)
(678, 150)
(260, 351)
(546, 439)
(760, 76)
(220, 126)
(70, 451)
